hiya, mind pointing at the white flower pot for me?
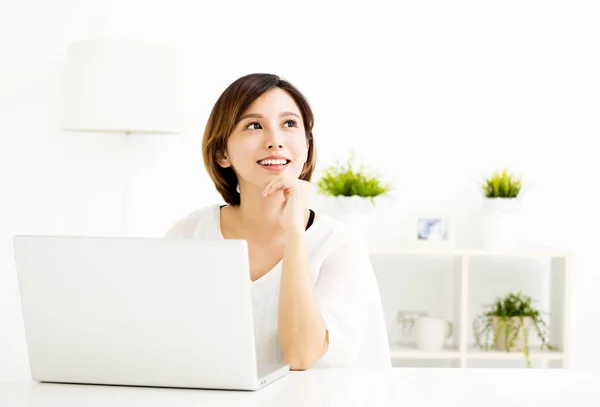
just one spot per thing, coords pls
(499, 327)
(354, 211)
(501, 223)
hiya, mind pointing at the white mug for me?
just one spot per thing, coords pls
(432, 333)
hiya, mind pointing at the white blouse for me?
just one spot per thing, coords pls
(345, 288)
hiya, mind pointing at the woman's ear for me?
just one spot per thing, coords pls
(223, 160)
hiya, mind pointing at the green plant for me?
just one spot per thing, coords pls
(346, 180)
(513, 305)
(501, 185)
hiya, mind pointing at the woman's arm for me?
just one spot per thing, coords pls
(301, 329)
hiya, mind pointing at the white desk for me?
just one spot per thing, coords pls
(341, 387)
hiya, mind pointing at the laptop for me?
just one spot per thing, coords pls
(139, 312)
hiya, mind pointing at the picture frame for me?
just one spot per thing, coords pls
(431, 229)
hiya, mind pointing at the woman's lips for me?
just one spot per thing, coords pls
(277, 167)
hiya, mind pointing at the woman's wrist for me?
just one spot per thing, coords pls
(293, 233)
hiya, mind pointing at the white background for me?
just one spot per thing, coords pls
(433, 94)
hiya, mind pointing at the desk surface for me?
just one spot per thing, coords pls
(341, 387)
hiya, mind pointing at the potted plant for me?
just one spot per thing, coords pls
(508, 322)
(501, 210)
(354, 190)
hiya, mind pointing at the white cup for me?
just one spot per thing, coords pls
(432, 333)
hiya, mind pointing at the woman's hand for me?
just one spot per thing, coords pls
(295, 199)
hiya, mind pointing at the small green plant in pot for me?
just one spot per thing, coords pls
(501, 207)
(505, 325)
(502, 185)
(351, 192)
(347, 180)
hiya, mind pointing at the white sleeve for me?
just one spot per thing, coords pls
(345, 289)
(184, 227)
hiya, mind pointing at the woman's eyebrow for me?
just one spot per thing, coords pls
(248, 115)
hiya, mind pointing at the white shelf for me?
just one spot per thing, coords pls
(534, 353)
(408, 352)
(559, 293)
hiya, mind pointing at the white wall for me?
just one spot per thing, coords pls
(434, 94)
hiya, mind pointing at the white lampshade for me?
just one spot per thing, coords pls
(121, 86)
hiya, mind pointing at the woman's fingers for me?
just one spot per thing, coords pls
(275, 185)
(280, 184)
(268, 187)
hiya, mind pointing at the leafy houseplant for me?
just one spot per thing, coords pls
(501, 208)
(351, 191)
(346, 180)
(501, 185)
(508, 320)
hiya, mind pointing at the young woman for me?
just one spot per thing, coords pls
(315, 296)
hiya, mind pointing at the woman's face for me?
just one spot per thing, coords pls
(268, 141)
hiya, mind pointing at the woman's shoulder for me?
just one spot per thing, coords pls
(184, 227)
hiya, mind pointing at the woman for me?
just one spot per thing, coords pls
(315, 296)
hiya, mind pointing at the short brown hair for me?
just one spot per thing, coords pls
(225, 114)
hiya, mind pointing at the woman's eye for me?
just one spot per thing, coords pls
(252, 124)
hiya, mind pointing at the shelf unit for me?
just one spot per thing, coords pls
(407, 352)
(463, 352)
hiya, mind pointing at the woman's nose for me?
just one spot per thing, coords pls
(274, 139)
(272, 145)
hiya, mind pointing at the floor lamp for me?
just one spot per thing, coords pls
(118, 86)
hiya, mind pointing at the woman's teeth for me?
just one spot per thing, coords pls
(273, 162)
